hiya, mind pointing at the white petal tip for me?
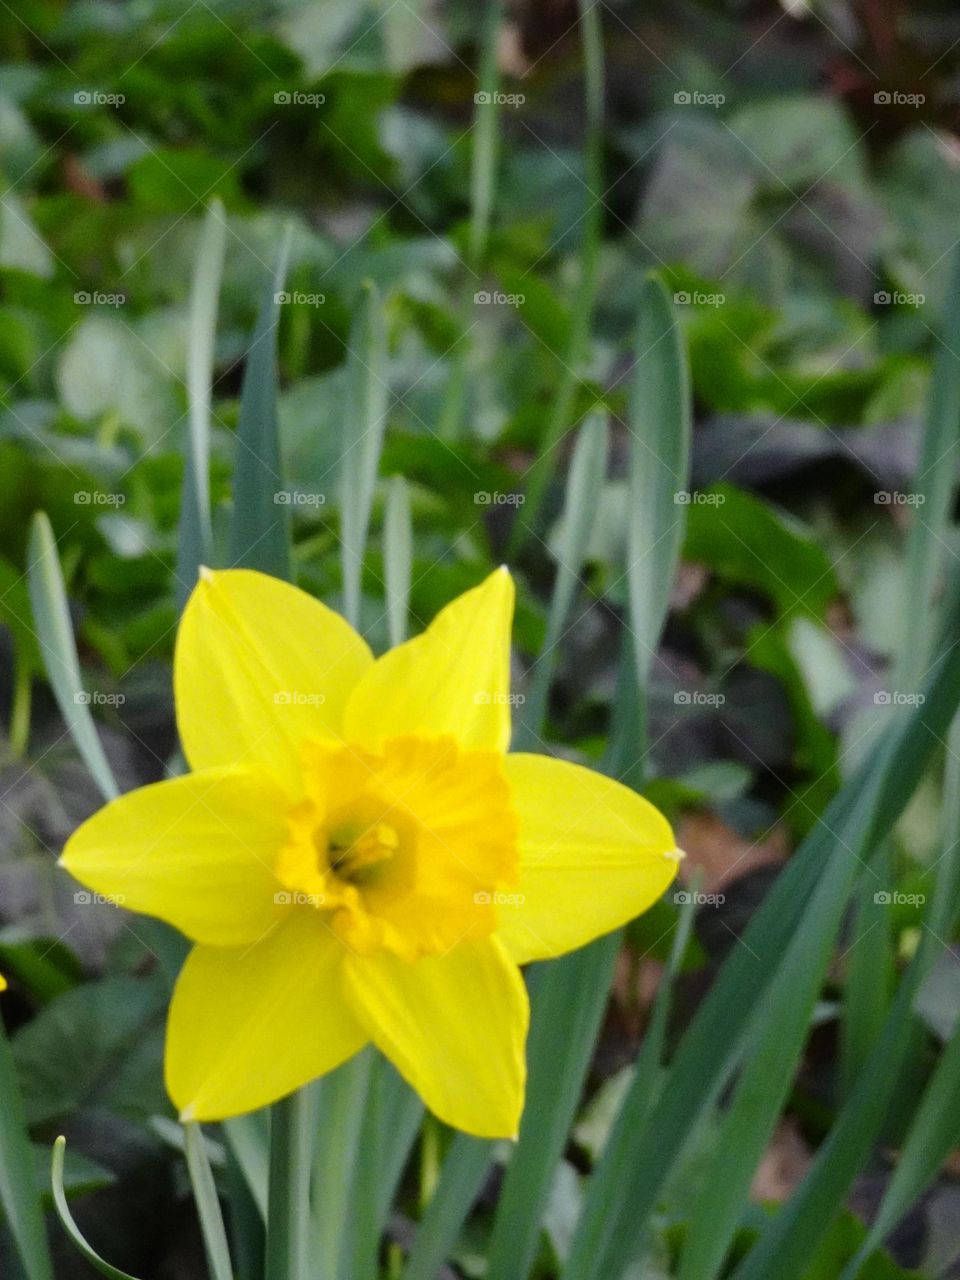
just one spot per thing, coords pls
(674, 855)
(187, 1114)
(205, 574)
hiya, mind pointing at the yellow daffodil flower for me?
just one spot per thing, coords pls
(3, 983)
(357, 857)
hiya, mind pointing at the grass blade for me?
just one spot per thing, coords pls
(588, 469)
(195, 543)
(483, 167)
(397, 558)
(366, 420)
(208, 1204)
(71, 1228)
(51, 615)
(260, 529)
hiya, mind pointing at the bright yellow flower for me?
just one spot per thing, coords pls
(3, 983)
(356, 856)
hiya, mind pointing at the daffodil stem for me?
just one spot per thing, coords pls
(293, 1124)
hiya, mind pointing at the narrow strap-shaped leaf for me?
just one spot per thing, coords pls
(245, 1223)
(208, 1204)
(391, 1120)
(588, 468)
(802, 1223)
(19, 1201)
(564, 398)
(260, 529)
(397, 558)
(870, 973)
(71, 1228)
(483, 166)
(862, 811)
(51, 615)
(293, 1126)
(609, 1185)
(462, 1176)
(248, 1138)
(567, 1009)
(935, 482)
(659, 424)
(343, 1095)
(195, 538)
(366, 420)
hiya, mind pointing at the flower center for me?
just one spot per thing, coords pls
(353, 856)
(405, 848)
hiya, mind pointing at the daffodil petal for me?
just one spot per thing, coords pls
(454, 1026)
(249, 1025)
(453, 679)
(259, 666)
(593, 854)
(197, 851)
